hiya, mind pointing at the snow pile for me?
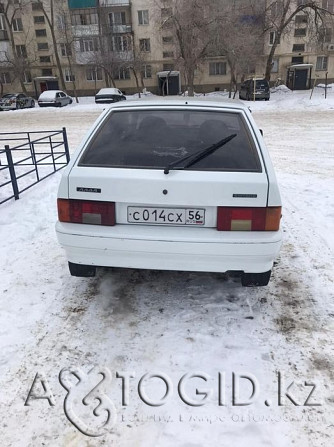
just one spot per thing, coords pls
(324, 86)
(280, 89)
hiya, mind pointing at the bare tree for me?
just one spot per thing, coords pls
(237, 33)
(278, 16)
(67, 44)
(48, 9)
(189, 21)
(17, 62)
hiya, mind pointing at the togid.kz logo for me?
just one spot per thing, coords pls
(83, 399)
(88, 407)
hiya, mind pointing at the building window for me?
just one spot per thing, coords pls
(301, 19)
(146, 71)
(272, 37)
(40, 32)
(328, 4)
(94, 74)
(27, 79)
(17, 25)
(121, 43)
(299, 32)
(298, 47)
(87, 45)
(65, 49)
(61, 21)
(21, 51)
(5, 78)
(297, 60)
(217, 68)
(117, 18)
(46, 71)
(69, 77)
(325, 34)
(167, 39)
(42, 46)
(167, 54)
(322, 63)
(143, 17)
(145, 45)
(168, 67)
(274, 67)
(122, 73)
(36, 6)
(83, 17)
(39, 19)
(45, 59)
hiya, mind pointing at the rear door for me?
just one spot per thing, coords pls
(125, 161)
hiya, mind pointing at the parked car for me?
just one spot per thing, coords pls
(172, 185)
(15, 101)
(55, 98)
(253, 89)
(109, 95)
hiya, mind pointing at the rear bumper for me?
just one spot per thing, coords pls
(154, 247)
(7, 107)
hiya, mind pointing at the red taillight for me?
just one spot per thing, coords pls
(248, 219)
(86, 212)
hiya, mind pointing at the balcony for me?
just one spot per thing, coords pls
(114, 2)
(81, 4)
(121, 29)
(85, 30)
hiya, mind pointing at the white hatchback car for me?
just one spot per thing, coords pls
(173, 185)
(55, 98)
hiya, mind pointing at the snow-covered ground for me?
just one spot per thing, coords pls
(176, 322)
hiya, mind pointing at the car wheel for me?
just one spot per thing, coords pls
(70, 101)
(81, 270)
(32, 105)
(18, 106)
(255, 279)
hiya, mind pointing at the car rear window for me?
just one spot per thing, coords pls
(262, 84)
(152, 139)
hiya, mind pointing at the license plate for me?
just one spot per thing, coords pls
(167, 216)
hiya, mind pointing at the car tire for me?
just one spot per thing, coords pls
(18, 106)
(32, 105)
(255, 279)
(84, 271)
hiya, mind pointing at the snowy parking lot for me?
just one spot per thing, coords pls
(274, 343)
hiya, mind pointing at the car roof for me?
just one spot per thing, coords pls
(108, 91)
(52, 91)
(186, 101)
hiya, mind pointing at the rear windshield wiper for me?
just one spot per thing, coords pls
(198, 155)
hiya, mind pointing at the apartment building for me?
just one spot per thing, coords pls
(90, 44)
(304, 56)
